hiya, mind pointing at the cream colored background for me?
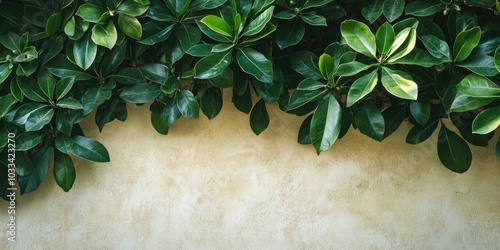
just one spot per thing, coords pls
(214, 185)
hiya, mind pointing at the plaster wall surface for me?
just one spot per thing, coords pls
(215, 185)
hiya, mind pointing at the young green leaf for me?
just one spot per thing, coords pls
(326, 124)
(362, 87)
(105, 35)
(465, 42)
(370, 121)
(359, 37)
(326, 66)
(487, 121)
(259, 118)
(217, 25)
(453, 151)
(399, 84)
(403, 44)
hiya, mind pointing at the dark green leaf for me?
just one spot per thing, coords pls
(421, 133)
(243, 102)
(224, 80)
(188, 36)
(62, 67)
(351, 68)
(259, 118)
(370, 121)
(39, 118)
(5, 71)
(69, 103)
(53, 24)
(187, 104)
(24, 166)
(211, 102)
(41, 161)
(453, 151)
(465, 42)
(254, 63)
(140, 93)
(154, 32)
(6, 103)
(64, 170)
(127, 75)
(290, 33)
(424, 8)
(393, 117)
(315, 3)
(437, 47)
(313, 19)
(63, 87)
(300, 98)
(421, 111)
(419, 57)
(213, 65)
(384, 37)
(158, 121)
(270, 92)
(304, 137)
(89, 149)
(84, 51)
(94, 97)
(259, 22)
(480, 64)
(326, 124)
(393, 9)
(28, 140)
(133, 8)
(372, 10)
(31, 89)
(46, 82)
(463, 103)
(155, 72)
(306, 63)
(497, 59)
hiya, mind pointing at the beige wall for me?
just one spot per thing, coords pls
(214, 185)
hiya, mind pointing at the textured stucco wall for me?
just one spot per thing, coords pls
(214, 185)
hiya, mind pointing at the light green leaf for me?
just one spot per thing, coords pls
(478, 86)
(351, 68)
(326, 124)
(487, 121)
(453, 151)
(399, 84)
(130, 26)
(326, 66)
(53, 24)
(89, 12)
(359, 37)
(465, 42)
(313, 19)
(362, 87)
(217, 25)
(403, 44)
(105, 35)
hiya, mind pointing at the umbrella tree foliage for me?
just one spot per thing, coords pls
(370, 65)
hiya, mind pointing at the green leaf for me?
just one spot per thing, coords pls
(290, 33)
(385, 38)
(64, 170)
(187, 104)
(497, 59)
(155, 72)
(62, 67)
(11, 41)
(212, 65)
(306, 63)
(6, 103)
(313, 19)
(421, 111)
(132, 8)
(393, 9)
(315, 3)
(393, 117)
(259, 118)
(399, 84)
(105, 36)
(5, 71)
(154, 32)
(64, 143)
(39, 118)
(304, 137)
(91, 13)
(437, 47)
(140, 93)
(31, 89)
(41, 162)
(188, 36)
(25, 110)
(362, 87)
(46, 82)
(403, 44)
(419, 57)
(258, 23)
(326, 66)
(212, 34)
(94, 97)
(217, 25)
(465, 42)
(424, 8)
(85, 52)
(373, 10)
(211, 102)
(158, 121)
(351, 68)
(200, 50)
(359, 37)
(128, 75)
(178, 7)
(254, 63)
(480, 64)
(310, 84)
(370, 121)
(130, 26)
(463, 103)
(224, 80)
(69, 103)
(53, 24)
(421, 133)
(171, 111)
(299, 98)
(89, 149)
(326, 124)
(28, 140)
(478, 86)
(487, 121)
(63, 87)
(24, 166)
(270, 92)
(453, 151)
